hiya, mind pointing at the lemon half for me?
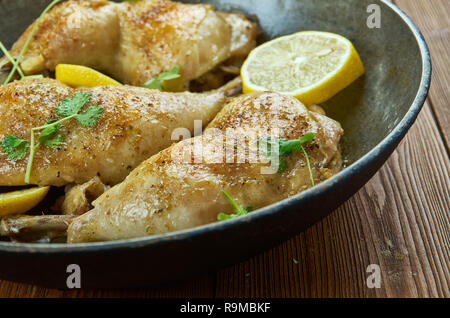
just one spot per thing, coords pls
(21, 201)
(82, 76)
(312, 66)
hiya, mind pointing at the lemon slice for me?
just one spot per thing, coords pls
(77, 76)
(312, 66)
(21, 201)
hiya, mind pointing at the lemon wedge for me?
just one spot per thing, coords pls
(21, 201)
(312, 66)
(82, 76)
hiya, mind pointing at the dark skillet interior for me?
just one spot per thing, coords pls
(370, 111)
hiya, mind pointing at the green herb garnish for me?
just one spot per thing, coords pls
(70, 108)
(284, 148)
(49, 133)
(16, 148)
(16, 62)
(156, 83)
(240, 210)
(11, 59)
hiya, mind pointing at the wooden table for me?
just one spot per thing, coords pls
(399, 220)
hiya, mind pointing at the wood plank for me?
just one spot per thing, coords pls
(399, 220)
(201, 287)
(433, 19)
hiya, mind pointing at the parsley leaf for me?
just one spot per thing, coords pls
(286, 148)
(49, 136)
(73, 105)
(156, 83)
(16, 148)
(281, 146)
(153, 84)
(171, 74)
(90, 116)
(52, 126)
(55, 142)
(240, 210)
(307, 137)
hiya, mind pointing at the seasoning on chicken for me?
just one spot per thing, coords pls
(173, 190)
(135, 41)
(135, 124)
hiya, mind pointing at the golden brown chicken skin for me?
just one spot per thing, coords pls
(136, 123)
(176, 189)
(135, 41)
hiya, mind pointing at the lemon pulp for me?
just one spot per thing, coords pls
(311, 65)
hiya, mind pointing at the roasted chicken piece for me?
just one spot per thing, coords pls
(135, 41)
(136, 123)
(180, 187)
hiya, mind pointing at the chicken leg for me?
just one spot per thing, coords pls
(175, 190)
(135, 41)
(136, 123)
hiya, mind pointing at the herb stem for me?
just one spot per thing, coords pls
(33, 76)
(11, 59)
(54, 123)
(33, 147)
(49, 135)
(31, 157)
(27, 42)
(229, 198)
(309, 165)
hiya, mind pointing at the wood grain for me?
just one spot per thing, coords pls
(433, 19)
(399, 220)
(201, 287)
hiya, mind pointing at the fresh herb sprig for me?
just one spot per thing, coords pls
(11, 60)
(285, 148)
(15, 63)
(240, 210)
(49, 136)
(156, 83)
